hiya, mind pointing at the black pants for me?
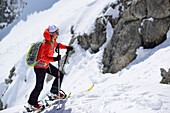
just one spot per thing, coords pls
(40, 76)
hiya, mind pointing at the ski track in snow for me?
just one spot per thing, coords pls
(135, 89)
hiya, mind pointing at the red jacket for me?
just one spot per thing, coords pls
(46, 52)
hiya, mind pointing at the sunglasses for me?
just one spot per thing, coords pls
(57, 33)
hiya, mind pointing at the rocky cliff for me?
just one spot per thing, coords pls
(140, 23)
(165, 76)
(9, 11)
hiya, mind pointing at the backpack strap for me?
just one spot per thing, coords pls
(50, 43)
(41, 64)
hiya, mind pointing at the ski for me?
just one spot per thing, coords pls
(50, 103)
(47, 104)
(33, 111)
(88, 89)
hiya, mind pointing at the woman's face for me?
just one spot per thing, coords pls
(55, 34)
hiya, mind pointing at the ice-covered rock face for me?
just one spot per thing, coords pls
(143, 23)
(136, 23)
(9, 11)
(95, 39)
(165, 76)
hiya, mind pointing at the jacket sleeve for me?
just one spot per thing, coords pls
(46, 50)
(62, 46)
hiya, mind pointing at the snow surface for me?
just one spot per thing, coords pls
(135, 89)
(113, 12)
(149, 19)
(31, 7)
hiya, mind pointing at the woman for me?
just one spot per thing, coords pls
(43, 66)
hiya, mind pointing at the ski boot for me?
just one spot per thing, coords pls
(59, 96)
(37, 107)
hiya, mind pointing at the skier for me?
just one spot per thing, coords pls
(43, 66)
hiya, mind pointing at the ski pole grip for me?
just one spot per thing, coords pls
(67, 51)
(57, 48)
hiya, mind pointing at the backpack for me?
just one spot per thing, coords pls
(33, 52)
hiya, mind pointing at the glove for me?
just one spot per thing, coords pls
(57, 58)
(69, 48)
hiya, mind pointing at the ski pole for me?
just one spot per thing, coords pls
(65, 59)
(58, 50)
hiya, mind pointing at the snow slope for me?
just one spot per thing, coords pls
(31, 7)
(134, 89)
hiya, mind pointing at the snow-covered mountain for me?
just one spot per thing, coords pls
(134, 89)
